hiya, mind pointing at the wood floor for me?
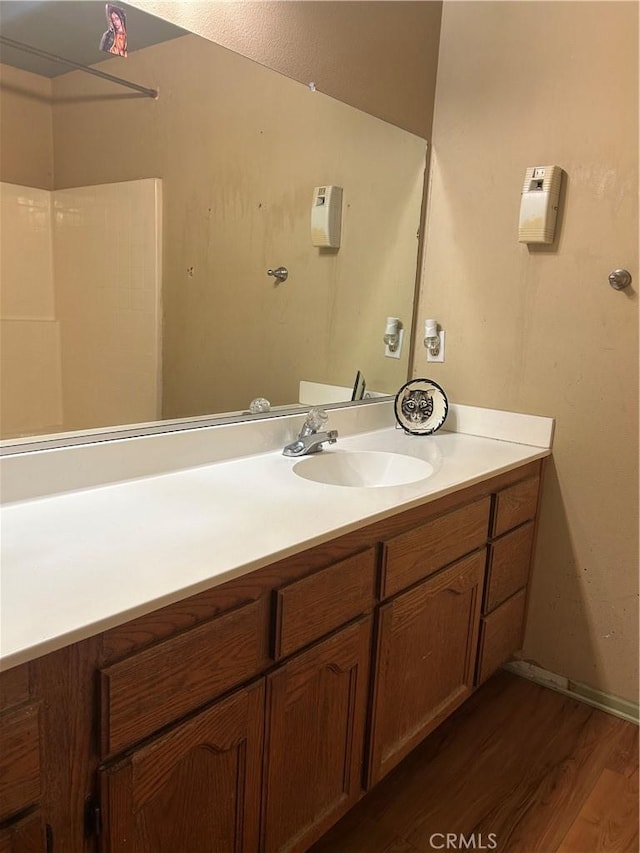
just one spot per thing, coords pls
(519, 768)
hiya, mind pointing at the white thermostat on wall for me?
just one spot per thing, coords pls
(326, 217)
(539, 204)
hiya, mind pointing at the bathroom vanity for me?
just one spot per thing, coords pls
(252, 714)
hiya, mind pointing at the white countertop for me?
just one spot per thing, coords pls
(82, 561)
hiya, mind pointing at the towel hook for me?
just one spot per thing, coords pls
(281, 273)
(619, 279)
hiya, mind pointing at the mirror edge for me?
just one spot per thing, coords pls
(33, 444)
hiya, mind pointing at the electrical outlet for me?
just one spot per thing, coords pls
(398, 351)
(440, 356)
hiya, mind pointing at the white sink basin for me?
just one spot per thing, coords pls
(362, 468)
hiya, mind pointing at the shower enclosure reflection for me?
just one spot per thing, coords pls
(81, 286)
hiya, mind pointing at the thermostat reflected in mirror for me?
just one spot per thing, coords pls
(326, 217)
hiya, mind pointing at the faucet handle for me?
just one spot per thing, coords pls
(316, 418)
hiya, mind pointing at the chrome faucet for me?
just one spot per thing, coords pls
(310, 440)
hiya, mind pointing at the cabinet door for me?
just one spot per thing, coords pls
(196, 788)
(316, 708)
(19, 759)
(426, 648)
(24, 836)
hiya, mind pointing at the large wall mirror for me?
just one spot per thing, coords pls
(137, 232)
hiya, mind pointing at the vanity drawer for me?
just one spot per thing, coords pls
(500, 635)
(508, 565)
(309, 608)
(418, 553)
(19, 759)
(162, 683)
(515, 505)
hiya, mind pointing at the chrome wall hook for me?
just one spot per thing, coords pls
(281, 273)
(619, 279)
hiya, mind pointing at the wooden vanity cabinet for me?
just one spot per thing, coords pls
(250, 717)
(432, 645)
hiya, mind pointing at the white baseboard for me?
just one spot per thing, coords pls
(581, 692)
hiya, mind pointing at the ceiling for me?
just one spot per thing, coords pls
(72, 30)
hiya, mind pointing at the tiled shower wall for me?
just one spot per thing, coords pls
(30, 374)
(107, 263)
(81, 311)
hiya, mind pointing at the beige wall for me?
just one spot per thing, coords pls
(26, 130)
(378, 56)
(239, 149)
(540, 330)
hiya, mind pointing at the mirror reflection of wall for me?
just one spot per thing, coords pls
(238, 150)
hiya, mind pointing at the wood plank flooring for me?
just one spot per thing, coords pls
(517, 769)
